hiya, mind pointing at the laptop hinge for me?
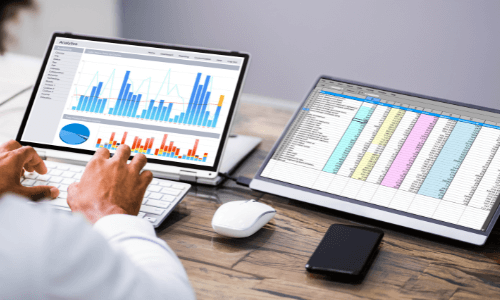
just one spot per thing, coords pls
(187, 176)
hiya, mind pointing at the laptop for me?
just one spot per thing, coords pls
(173, 104)
(417, 161)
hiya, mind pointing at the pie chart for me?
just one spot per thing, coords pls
(74, 134)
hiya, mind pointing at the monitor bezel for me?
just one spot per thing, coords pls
(267, 184)
(224, 135)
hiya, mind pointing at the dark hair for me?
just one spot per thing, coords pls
(9, 10)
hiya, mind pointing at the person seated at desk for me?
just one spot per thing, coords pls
(47, 254)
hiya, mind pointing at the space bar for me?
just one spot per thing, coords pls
(152, 210)
(59, 202)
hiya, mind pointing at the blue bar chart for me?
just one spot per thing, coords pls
(127, 104)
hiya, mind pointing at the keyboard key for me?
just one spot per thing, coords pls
(63, 208)
(75, 169)
(155, 182)
(165, 183)
(151, 210)
(55, 179)
(154, 188)
(155, 196)
(68, 174)
(178, 186)
(150, 219)
(158, 203)
(30, 175)
(63, 195)
(78, 176)
(28, 182)
(63, 188)
(59, 202)
(168, 198)
(37, 183)
(68, 181)
(43, 177)
(63, 167)
(141, 215)
(170, 191)
(50, 164)
(55, 172)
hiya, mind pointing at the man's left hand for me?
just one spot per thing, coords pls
(14, 160)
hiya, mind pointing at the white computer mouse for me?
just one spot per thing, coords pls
(241, 219)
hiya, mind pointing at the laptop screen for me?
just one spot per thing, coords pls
(169, 103)
(429, 159)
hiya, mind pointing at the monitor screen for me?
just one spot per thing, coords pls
(436, 160)
(170, 104)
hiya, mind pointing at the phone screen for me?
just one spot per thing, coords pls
(345, 250)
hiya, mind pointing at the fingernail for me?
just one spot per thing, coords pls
(54, 192)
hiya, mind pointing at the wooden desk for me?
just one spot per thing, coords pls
(270, 264)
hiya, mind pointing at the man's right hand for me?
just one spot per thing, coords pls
(110, 185)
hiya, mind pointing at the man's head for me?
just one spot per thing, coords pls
(8, 11)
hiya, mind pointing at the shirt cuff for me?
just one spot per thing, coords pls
(114, 225)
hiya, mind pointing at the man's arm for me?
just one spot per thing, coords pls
(72, 259)
(48, 254)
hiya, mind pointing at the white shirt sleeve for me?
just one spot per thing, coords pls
(48, 254)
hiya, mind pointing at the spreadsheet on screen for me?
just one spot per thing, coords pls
(428, 158)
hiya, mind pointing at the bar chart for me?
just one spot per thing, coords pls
(174, 147)
(199, 111)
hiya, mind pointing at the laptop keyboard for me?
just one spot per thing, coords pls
(160, 198)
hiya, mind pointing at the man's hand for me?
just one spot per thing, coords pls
(14, 159)
(110, 186)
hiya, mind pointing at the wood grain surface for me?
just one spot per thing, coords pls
(270, 264)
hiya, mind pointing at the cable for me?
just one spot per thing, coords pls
(241, 180)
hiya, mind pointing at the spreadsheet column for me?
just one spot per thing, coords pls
(381, 139)
(407, 192)
(484, 198)
(349, 138)
(384, 161)
(429, 153)
(365, 139)
(377, 146)
(408, 153)
(474, 166)
(391, 150)
(451, 156)
(313, 138)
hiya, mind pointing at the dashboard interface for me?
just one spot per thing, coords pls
(171, 105)
(423, 157)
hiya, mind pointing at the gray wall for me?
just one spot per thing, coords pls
(31, 33)
(448, 49)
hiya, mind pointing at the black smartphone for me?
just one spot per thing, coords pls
(345, 252)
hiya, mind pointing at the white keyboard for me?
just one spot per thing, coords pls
(159, 201)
